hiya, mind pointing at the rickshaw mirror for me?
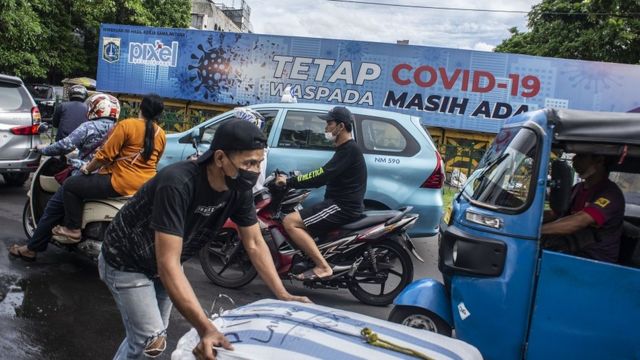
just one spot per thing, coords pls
(561, 184)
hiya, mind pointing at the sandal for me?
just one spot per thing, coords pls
(61, 234)
(310, 275)
(17, 253)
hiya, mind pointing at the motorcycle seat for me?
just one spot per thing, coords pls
(49, 183)
(370, 218)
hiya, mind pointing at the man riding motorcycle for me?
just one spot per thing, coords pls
(87, 138)
(69, 115)
(345, 176)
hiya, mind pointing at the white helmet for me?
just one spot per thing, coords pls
(103, 106)
(245, 113)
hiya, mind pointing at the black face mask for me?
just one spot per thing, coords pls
(244, 181)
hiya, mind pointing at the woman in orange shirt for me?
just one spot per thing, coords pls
(126, 161)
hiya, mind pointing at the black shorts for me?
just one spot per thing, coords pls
(326, 216)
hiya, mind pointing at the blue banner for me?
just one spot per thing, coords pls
(451, 88)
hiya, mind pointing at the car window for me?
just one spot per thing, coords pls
(385, 136)
(269, 117)
(304, 130)
(13, 98)
(210, 130)
(40, 91)
(59, 92)
(382, 136)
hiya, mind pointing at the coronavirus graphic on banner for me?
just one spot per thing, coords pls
(211, 71)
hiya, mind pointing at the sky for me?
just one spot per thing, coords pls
(326, 19)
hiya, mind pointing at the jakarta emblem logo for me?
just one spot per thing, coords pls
(110, 49)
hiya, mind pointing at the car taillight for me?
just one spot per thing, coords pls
(35, 115)
(25, 130)
(436, 179)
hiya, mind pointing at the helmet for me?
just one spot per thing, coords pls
(245, 113)
(103, 106)
(78, 92)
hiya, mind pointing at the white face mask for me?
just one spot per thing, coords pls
(329, 136)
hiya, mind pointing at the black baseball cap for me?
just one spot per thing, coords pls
(235, 135)
(339, 114)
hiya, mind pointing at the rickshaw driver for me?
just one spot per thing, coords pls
(593, 227)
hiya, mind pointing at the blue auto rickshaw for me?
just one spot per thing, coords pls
(503, 292)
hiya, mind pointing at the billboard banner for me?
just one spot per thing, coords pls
(451, 88)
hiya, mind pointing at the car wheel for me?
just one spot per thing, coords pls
(15, 179)
(27, 220)
(419, 318)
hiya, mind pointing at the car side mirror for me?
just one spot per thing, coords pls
(193, 135)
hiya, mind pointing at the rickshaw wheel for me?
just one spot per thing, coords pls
(418, 318)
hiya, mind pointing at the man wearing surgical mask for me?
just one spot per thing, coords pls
(593, 226)
(345, 176)
(167, 222)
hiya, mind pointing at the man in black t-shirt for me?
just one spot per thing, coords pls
(167, 222)
(345, 176)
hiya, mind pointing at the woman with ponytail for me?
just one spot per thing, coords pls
(127, 159)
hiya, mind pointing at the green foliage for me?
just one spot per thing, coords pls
(576, 29)
(448, 193)
(54, 39)
(19, 31)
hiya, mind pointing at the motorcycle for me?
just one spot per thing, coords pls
(96, 216)
(372, 253)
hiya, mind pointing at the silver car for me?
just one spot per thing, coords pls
(19, 121)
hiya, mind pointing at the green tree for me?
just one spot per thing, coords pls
(579, 29)
(20, 30)
(54, 39)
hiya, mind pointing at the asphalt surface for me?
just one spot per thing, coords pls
(57, 307)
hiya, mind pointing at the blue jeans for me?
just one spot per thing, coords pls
(51, 216)
(145, 308)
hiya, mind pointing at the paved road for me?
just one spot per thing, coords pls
(57, 307)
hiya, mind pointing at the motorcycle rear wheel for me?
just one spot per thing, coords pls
(224, 267)
(394, 267)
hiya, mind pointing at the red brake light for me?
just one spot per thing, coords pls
(436, 179)
(35, 115)
(25, 130)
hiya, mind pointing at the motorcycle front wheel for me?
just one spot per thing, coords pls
(394, 273)
(225, 262)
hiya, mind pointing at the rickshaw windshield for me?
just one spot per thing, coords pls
(505, 174)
